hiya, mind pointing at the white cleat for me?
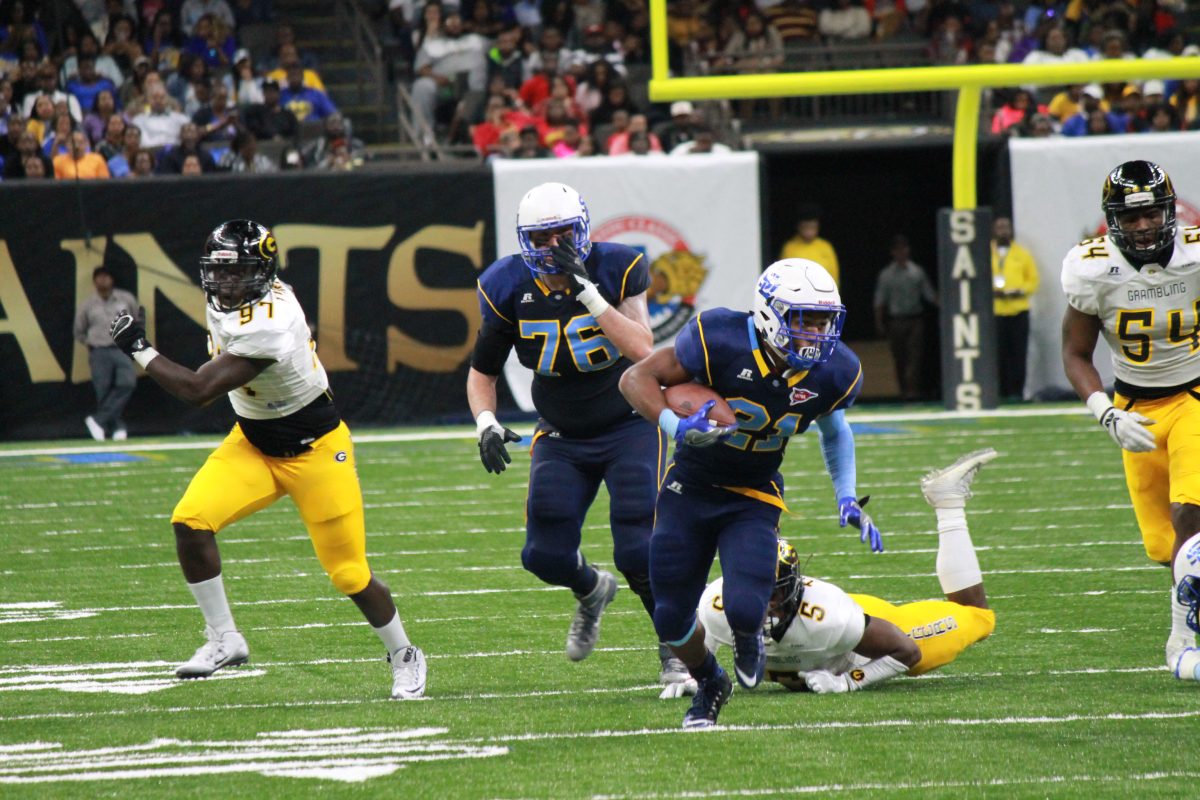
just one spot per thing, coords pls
(1183, 658)
(585, 627)
(94, 428)
(408, 673)
(224, 650)
(950, 487)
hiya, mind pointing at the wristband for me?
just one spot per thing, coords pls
(668, 420)
(1099, 404)
(485, 420)
(144, 356)
(592, 300)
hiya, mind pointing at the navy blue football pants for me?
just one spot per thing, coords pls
(565, 475)
(693, 525)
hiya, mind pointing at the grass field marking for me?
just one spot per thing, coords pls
(350, 755)
(899, 786)
(132, 678)
(1066, 410)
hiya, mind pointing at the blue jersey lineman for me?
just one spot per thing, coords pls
(781, 367)
(575, 312)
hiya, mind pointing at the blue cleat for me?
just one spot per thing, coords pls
(706, 705)
(749, 659)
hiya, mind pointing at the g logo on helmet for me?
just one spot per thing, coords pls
(267, 247)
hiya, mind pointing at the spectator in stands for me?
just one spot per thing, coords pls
(47, 86)
(1053, 49)
(243, 156)
(1154, 92)
(1170, 44)
(88, 83)
(182, 84)
(486, 135)
(105, 65)
(530, 144)
(620, 143)
(35, 168)
(170, 161)
(193, 11)
(247, 87)
(705, 143)
(160, 125)
(212, 42)
(28, 149)
(191, 166)
(550, 41)
(120, 165)
(318, 153)
(252, 12)
(305, 102)
(1186, 100)
(21, 26)
(756, 48)
(795, 20)
(81, 163)
(218, 120)
(1066, 103)
(899, 315)
(25, 81)
(103, 108)
(807, 243)
(847, 21)
(1115, 45)
(615, 100)
(164, 42)
(113, 141)
(41, 122)
(143, 164)
(269, 119)
(1099, 124)
(597, 46)
(561, 92)
(14, 127)
(121, 42)
(449, 66)
(484, 20)
(58, 142)
(1089, 99)
(537, 87)
(568, 146)
(1163, 118)
(132, 94)
(289, 56)
(950, 44)
(286, 50)
(506, 60)
(552, 124)
(681, 128)
(1037, 126)
(1019, 103)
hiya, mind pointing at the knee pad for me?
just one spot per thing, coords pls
(639, 583)
(350, 578)
(632, 558)
(672, 625)
(744, 612)
(559, 569)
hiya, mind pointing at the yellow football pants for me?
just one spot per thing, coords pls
(941, 629)
(237, 480)
(1168, 474)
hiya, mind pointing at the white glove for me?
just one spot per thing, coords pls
(825, 682)
(1127, 428)
(673, 691)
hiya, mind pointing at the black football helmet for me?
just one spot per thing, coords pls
(789, 590)
(240, 262)
(1138, 185)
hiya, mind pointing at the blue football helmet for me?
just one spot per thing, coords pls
(786, 291)
(549, 206)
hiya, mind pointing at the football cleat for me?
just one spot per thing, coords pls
(673, 670)
(950, 487)
(706, 705)
(94, 428)
(408, 673)
(120, 435)
(585, 627)
(749, 659)
(228, 649)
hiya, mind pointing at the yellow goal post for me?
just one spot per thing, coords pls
(968, 80)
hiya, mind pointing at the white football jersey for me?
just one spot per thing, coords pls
(1150, 317)
(825, 631)
(274, 328)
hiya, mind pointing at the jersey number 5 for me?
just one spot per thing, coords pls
(590, 349)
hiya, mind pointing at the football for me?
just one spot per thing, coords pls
(685, 399)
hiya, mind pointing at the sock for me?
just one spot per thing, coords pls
(210, 596)
(707, 669)
(1187, 562)
(393, 636)
(957, 564)
(586, 579)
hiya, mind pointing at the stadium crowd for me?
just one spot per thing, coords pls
(163, 86)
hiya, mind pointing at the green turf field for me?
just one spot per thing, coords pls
(1069, 698)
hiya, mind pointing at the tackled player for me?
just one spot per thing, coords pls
(289, 439)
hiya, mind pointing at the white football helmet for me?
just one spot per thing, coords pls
(551, 205)
(786, 290)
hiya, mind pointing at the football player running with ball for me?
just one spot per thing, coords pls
(575, 311)
(289, 439)
(1138, 286)
(781, 368)
(823, 640)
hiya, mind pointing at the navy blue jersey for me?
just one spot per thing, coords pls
(720, 348)
(575, 366)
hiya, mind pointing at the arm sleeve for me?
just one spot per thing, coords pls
(492, 347)
(837, 448)
(265, 343)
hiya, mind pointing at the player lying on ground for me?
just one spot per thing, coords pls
(821, 639)
(289, 439)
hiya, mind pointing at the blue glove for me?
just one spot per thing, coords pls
(850, 513)
(696, 430)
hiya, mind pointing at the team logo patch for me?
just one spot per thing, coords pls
(341, 456)
(800, 395)
(267, 247)
(746, 375)
(857, 675)
(676, 272)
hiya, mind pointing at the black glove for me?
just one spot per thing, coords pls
(127, 333)
(492, 452)
(566, 258)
